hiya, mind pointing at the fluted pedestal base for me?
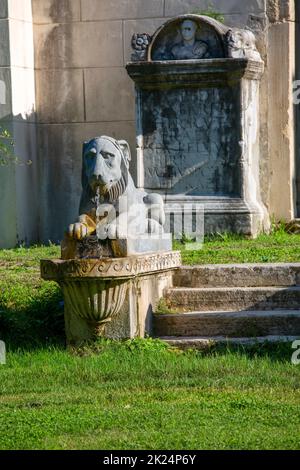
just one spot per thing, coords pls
(111, 297)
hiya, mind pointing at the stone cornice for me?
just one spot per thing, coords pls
(193, 73)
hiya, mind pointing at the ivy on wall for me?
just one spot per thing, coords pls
(211, 13)
(7, 155)
(6, 148)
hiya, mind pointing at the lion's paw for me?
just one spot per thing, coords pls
(111, 232)
(78, 231)
(116, 231)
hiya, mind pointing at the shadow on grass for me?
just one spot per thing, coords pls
(38, 325)
(277, 352)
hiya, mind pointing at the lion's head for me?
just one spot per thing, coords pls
(105, 167)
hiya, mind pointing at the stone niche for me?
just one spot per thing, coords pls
(197, 111)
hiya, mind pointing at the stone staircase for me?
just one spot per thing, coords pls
(235, 304)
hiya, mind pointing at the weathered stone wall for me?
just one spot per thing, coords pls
(82, 90)
(297, 113)
(81, 49)
(281, 72)
(210, 146)
(18, 183)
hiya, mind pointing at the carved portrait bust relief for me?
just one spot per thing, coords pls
(182, 43)
(189, 47)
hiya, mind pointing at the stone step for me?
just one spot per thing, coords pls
(238, 275)
(205, 343)
(249, 324)
(184, 299)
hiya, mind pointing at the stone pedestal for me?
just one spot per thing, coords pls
(111, 297)
(198, 123)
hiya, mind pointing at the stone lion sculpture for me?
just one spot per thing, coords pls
(241, 44)
(111, 206)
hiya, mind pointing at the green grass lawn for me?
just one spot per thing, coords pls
(31, 310)
(279, 247)
(128, 396)
(138, 395)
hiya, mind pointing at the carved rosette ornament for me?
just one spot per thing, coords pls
(140, 44)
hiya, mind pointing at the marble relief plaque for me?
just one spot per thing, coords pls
(197, 109)
(190, 143)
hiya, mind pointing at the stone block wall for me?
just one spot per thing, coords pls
(19, 207)
(297, 110)
(82, 90)
(281, 117)
(81, 49)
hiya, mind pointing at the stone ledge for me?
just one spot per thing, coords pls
(239, 275)
(211, 204)
(107, 268)
(237, 324)
(206, 343)
(201, 299)
(193, 73)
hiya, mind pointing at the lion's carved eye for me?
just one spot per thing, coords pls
(92, 153)
(107, 155)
